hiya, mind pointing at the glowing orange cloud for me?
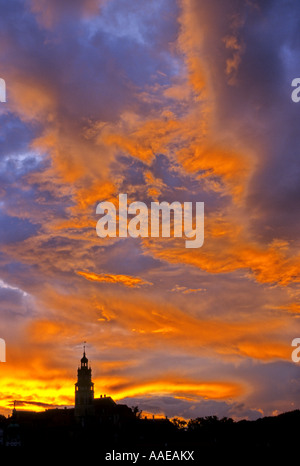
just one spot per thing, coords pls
(183, 388)
(126, 280)
(227, 248)
(57, 390)
(141, 139)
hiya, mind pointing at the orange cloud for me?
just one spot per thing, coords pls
(265, 351)
(141, 139)
(233, 168)
(58, 390)
(292, 308)
(182, 388)
(126, 280)
(32, 98)
(228, 247)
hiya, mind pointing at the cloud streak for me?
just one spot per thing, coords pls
(126, 280)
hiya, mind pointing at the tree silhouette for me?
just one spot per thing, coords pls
(137, 412)
(179, 423)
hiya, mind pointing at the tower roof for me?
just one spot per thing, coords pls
(84, 359)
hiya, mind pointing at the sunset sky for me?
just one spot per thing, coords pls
(164, 100)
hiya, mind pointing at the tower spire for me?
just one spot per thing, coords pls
(84, 388)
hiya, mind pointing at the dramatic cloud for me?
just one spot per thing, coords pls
(176, 101)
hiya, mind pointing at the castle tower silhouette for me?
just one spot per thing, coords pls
(84, 389)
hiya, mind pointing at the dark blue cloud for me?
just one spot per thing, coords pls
(14, 229)
(15, 136)
(257, 106)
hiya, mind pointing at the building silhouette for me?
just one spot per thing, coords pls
(88, 419)
(102, 425)
(84, 390)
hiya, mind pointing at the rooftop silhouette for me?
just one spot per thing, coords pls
(122, 427)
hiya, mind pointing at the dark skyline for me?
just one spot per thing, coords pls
(118, 432)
